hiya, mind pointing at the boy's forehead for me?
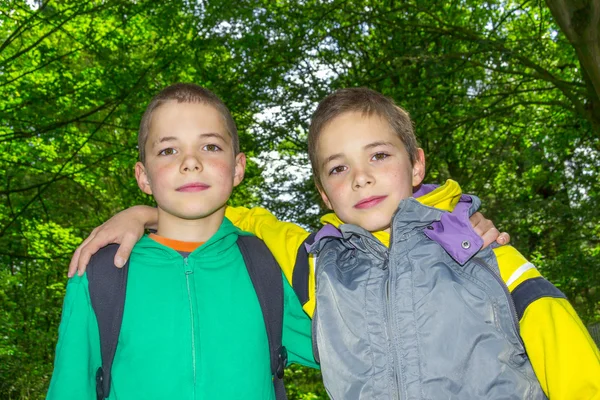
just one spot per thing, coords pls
(355, 130)
(369, 123)
(176, 112)
(173, 117)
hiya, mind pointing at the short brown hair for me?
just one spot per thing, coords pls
(185, 93)
(368, 102)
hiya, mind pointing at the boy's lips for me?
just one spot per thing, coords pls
(193, 187)
(369, 202)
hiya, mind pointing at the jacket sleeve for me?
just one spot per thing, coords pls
(564, 357)
(284, 239)
(78, 349)
(297, 332)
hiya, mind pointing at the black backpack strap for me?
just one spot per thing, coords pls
(107, 285)
(300, 277)
(301, 270)
(268, 283)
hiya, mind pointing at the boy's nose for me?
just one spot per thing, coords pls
(362, 178)
(191, 163)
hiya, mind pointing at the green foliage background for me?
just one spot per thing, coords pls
(503, 95)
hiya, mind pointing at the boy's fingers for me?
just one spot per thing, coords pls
(503, 238)
(87, 252)
(84, 259)
(74, 264)
(125, 249)
(480, 224)
(490, 236)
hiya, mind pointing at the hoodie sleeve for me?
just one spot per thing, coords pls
(297, 330)
(564, 357)
(78, 349)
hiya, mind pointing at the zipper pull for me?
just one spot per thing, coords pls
(186, 266)
(386, 261)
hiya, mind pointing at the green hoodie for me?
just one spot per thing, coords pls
(192, 329)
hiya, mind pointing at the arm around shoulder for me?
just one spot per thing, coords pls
(282, 238)
(564, 357)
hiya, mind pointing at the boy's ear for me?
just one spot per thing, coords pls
(142, 178)
(418, 168)
(240, 169)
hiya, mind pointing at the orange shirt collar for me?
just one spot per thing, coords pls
(176, 245)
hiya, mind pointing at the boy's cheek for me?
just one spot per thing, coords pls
(329, 194)
(223, 169)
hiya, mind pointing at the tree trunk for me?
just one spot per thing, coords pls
(580, 22)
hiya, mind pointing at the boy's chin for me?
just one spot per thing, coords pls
(191, 214)
(373, 224)
(379, 228)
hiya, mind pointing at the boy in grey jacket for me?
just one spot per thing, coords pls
(427, 315)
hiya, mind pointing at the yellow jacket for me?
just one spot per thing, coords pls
(563, 355)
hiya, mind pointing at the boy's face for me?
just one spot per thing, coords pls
(365, 170)
(190, 165)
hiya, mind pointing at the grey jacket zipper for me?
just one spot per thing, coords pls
(396, 362)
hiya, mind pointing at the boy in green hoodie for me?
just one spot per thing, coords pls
(192, 326)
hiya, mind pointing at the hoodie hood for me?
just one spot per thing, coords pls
(213, 249)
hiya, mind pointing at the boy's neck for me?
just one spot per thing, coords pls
(189, 230)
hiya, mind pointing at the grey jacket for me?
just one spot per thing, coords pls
(414, 321)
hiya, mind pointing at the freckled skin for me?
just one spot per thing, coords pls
(188, 144)
(370, 173)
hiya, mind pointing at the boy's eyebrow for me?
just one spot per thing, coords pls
(368, 146)
(212, 134)
(378, 143)
(331, 158)
(165, 139)
(202, 135)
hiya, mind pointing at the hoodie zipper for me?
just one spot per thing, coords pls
(188, 272)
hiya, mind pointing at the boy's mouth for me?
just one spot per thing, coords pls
(193, 187)
(369, 202)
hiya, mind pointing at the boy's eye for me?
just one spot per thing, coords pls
(211, 147)
(379, 156)
(167, 152)
(337, 170)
